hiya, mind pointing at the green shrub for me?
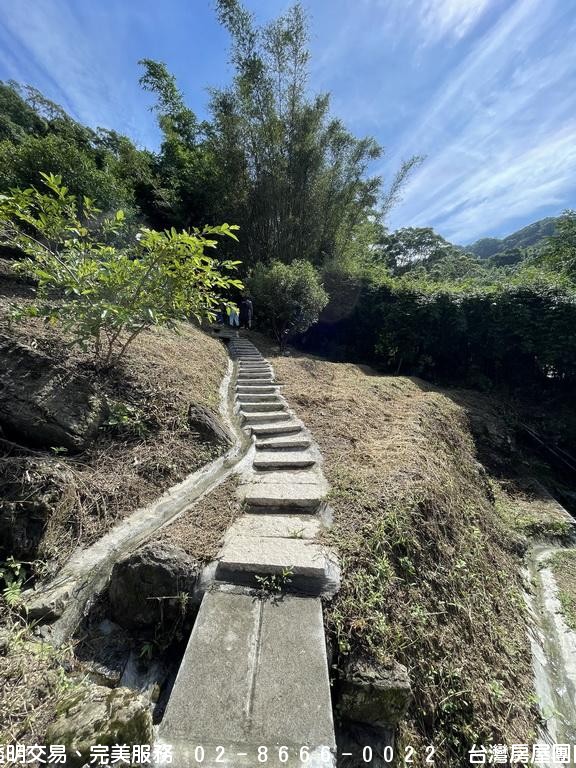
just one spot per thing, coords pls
(105, 295)
(289, 297)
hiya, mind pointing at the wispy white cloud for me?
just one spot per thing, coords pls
(75, 53)
(499, 133)
(448, 18)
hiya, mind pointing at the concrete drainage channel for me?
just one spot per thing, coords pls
(253, 684)
(66, 599)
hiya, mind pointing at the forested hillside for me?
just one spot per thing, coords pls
(518, 245)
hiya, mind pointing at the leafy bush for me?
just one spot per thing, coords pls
(289, 297)
(515, 334)
(104, 295)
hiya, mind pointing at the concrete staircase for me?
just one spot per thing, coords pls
(254, 675)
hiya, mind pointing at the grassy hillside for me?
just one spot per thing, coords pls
(145, 446)
(430, 544)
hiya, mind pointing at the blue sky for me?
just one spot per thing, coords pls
(486, 89)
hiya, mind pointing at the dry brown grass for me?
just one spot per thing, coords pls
(532, 511)
(200, 530)
(430, 565)
(147, 450)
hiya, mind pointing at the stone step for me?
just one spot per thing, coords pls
(258, 374)
(283, 460)
(258, 417)
(254, 375)
(254, 360)
(260, 407)
(282, 442)
(256, 389)
(297, 564)
(255, 369)
(284, 490)
(276, 428)
(254, 398)
(242, 382)
(292, 526)
(254, 673)
(248, 357)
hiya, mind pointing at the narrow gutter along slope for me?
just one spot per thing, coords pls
(254, 678)
(88, 571)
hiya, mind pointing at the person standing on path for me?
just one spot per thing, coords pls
(246, 312)
(233, 318)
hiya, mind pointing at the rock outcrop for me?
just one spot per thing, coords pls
(206, 425)
(93, 714)
(373, 694)
(152, 585)
(43, 403)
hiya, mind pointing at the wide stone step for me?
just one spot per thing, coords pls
(256, 389)
(253, 360)
(288, 490)
(254, 673)
(260, 407)
(262, 369)
(283, 459)
(283, 442)
(294, 564)
(259, 417)
(292, 526)
(253, 398)
(254, 375)
(276, 428)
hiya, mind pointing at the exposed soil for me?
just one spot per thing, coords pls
(200, 530)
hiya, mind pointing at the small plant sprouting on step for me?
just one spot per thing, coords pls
(296, 533)
(275, 583)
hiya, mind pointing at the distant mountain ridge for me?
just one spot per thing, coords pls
(533, 236)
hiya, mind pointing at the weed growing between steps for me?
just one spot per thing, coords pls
(430, 565)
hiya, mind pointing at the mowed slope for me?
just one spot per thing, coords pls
(430, 562)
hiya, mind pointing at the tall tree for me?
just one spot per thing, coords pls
(302, 176)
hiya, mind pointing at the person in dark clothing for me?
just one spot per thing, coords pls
(246, 312)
